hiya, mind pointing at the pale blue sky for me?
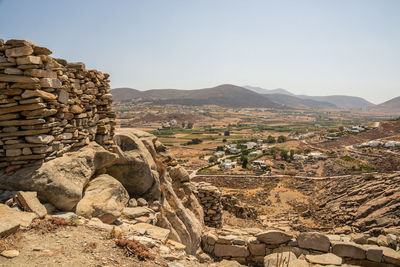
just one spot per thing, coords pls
(315, 47)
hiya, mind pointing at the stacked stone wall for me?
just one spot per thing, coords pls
(257, 247)
(210, 199)
(49, 106)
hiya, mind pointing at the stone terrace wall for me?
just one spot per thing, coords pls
(48, 105)
(258, 247)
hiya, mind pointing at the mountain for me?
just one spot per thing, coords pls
(295, 102)
(342, 101)
(268, 91)
(227, 95)
(391, 106)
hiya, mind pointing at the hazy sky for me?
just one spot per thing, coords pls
(315, 47)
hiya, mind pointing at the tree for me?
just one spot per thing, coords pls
(224, 140)
(281, 139)
(271, 139)
(341, 128)
(227, 133)
(190, 125)
(220, 148)
(212, 159)
(284, 155)
(244, 161)
(183, 124)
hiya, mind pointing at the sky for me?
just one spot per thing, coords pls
(314, 47)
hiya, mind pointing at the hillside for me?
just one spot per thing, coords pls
(296, 102)
(224, 95)
(268, 91)
(342, 101)
(391, 106)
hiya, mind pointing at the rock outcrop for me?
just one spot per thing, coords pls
(60, 181)
(104, 198)
(366, 202)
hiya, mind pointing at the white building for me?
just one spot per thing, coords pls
(219, 154)
(250, 145)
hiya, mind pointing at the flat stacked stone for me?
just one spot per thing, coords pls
(210, 199)
(49, 106)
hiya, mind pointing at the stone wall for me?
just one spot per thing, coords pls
(257, 247)
(49, 106)
(210, 199)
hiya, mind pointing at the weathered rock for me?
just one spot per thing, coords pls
(274, 237)
(136, 212)
(132, 203)
(8, 228)
(154, 232)
(257, 249)
(325, 259)
(135, 167)
(104, 198)
(17, 79)
(61, 181)
(19, 51)
(30, 202)
(348, 249)
(10, 253)
(142, 202)
(391, 256)
(14, 216)
(178, 173)
(374, 253)
(222, 250)
(314, 241)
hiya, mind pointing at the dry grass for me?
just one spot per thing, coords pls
(50, 224)
(135, 249)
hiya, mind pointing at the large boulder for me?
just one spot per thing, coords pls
(61, 181)
(104, 198)
(135, 167)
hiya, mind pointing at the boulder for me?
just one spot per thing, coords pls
(314, 240)
(391, 256)
(60, 181)
(104, 198)
(135, 167)
(15, 216)
(284, 257)
(29, 202)
(349, 249)
(324, 259)
(178, 173)
(274, 237)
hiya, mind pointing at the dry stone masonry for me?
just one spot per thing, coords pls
(257, 247)
(49, 106)
(210, 199)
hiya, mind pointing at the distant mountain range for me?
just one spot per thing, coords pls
(229, 95)
(391, 106)
(226, 95)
